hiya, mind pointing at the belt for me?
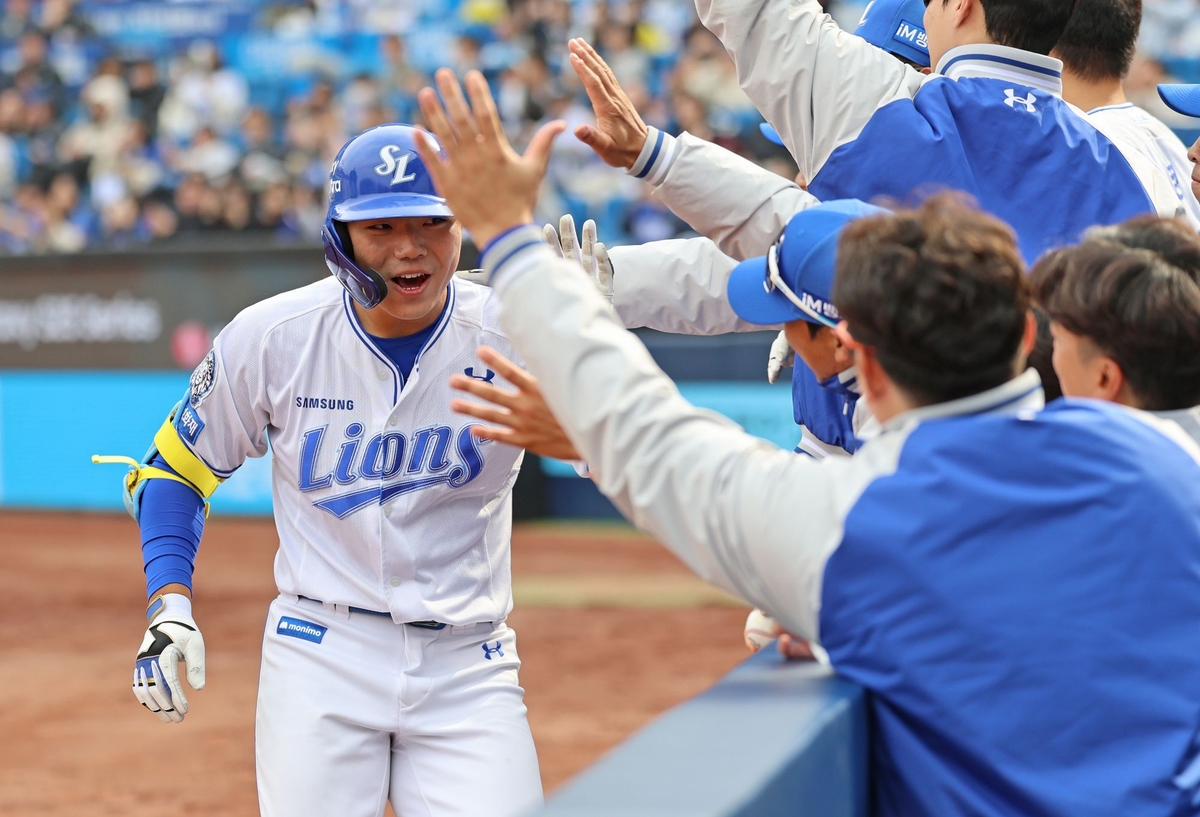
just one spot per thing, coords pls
(428, 625)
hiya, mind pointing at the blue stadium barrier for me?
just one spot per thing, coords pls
(51, 422)
(772, 738)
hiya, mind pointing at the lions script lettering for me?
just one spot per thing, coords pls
(429, 456)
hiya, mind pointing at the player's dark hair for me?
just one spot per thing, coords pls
(1170, 238)
(1100, 39)
(940, 292)
(1134, 307)
(1031, 25)
(1041, 357)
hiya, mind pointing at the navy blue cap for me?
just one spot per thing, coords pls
(1184, 99)
(897, 26)
(806, 256)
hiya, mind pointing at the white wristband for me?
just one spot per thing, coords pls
(175, 605)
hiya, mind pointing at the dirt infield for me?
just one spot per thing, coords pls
(612, 631)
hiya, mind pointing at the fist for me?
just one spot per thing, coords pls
(171, 637)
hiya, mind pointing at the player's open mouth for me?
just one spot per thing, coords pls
(411, 284)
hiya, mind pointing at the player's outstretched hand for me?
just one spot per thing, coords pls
(619, 133)
(590, 254)
(520, 418)
(485, 183)
(171, 637)
(782, 357)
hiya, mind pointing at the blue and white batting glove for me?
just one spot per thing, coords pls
(171, 637)
(591, 255)
(782, 357)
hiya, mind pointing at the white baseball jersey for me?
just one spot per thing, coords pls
(383, 499)
(1158, 143)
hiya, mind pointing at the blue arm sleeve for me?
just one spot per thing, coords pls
(172, 519)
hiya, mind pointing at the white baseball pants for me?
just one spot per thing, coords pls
(355, 710)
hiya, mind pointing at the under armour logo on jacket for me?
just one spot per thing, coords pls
(470, 372)
(1011, 100)
(487, 651)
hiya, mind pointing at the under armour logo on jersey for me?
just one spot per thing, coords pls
(470, 372)
(487, 651)
(1012, 100)
(395, 165)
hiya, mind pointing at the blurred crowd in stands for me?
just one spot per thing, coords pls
(129, 123)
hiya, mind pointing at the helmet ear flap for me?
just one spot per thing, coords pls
(343, 233)
(377, 280)
(348, 250)
(366, 286)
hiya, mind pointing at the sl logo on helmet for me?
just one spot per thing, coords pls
(393, 164)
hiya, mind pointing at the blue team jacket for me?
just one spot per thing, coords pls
(825, 408)
(1011, 143)
(1065, 548)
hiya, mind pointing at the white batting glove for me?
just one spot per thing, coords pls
(782, 357)
(591, 255)
(171, 637)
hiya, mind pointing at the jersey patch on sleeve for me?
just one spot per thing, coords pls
(189, 425)
(202, 379)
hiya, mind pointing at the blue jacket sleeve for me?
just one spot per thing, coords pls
(172, 520)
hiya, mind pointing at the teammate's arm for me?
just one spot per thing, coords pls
(691, 477)
(519, 418)
(677, 286)
(816, 84)
(742, 207)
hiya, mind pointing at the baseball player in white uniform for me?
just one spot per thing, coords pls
(388, 672)
(1096, 50)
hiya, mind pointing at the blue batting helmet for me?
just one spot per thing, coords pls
(377, 174)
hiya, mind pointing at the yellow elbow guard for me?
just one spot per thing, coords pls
(190, 469)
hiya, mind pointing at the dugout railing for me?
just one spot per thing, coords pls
(772, 738)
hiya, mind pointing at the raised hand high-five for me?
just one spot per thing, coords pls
(485, 182)
(620, 132)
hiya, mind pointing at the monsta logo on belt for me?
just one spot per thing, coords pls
(299, 628)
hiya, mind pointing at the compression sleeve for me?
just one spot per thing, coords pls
(172, 519)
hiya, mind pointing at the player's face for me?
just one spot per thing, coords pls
(1194, 155)
(417, 257)
(1078, 364)
(824, 353)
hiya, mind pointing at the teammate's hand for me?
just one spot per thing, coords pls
(794, 649)
(171, 637)
(590, 254)
(619, 133)
(521, 418)
(782, 357)
(485, 183)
